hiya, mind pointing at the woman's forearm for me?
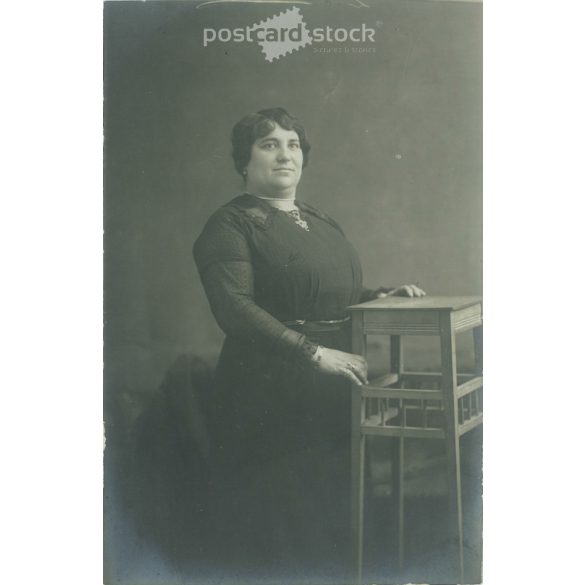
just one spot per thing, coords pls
(229, 287)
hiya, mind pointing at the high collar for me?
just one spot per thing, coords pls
(281, 204)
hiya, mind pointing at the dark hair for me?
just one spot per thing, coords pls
(258, 125)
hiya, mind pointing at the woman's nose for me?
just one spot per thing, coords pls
(283, 154)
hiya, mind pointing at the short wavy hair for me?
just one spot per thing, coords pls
(258, 125)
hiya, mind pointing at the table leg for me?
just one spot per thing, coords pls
(397, 367)
(478, 349)
(396, 355)
(449, 387)
(398, 493)
(357, 455)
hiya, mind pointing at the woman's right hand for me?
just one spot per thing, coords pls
(339, 363)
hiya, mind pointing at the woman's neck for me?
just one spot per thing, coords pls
(277, 202)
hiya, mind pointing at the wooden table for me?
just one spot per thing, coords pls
(400, 404)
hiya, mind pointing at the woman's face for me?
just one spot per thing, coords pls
(276, 163)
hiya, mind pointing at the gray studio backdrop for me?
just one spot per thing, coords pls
(395, 159)
(396, 156)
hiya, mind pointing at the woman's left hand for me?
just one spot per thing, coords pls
(406, 290)
(339, 363)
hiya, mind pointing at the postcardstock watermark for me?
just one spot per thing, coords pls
(284, 33)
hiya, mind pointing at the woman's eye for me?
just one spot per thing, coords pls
(268, 146)
(293, 146)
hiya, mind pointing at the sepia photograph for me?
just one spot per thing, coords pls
(248, 249)
(293, 284)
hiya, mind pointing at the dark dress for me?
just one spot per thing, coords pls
(280, 431)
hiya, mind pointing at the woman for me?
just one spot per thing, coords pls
(279, 276)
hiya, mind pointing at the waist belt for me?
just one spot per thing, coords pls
(332, 325)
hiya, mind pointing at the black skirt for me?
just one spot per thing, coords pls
(280, 466)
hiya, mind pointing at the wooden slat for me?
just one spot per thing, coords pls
(383, 381)
(475, 404)
(470, 424)
(391, 329)
(411, 432)
(433, 377)
(417, 408)
(469, 386)
(424, 376)
(401, 393)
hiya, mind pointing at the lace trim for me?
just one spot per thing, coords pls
(295, 214)
(308, 350)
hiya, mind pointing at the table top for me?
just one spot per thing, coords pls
(423, 303)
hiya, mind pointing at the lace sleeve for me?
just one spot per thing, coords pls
(223, 259)
(229, 287)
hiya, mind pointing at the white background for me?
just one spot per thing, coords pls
(51, 230)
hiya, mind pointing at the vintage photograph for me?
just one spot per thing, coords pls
(293, 385)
